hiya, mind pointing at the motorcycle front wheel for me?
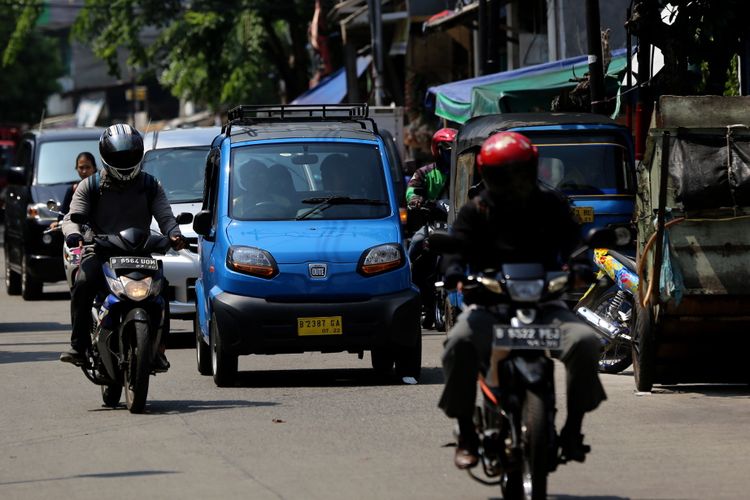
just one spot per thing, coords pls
(616, 355)
(138, 368)
(111, 395)
(529, 482)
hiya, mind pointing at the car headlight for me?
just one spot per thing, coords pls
(525, 290)
(252, 261)
(380, 259)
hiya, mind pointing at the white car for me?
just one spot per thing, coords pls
(177, 158)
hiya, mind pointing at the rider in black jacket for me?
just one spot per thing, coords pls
(122, 200)
(514, 220)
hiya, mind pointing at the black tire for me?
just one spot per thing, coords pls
(138, 368)
(439, 311)
(530, 482)
(382, 361)
(12, 279)
(202, 350)
(409, 360)
(223, 362)
(111, 395)
(643, 349)
(616, 355)
(31, 287)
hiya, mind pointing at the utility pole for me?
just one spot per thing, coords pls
(376, 35)
(596, 68)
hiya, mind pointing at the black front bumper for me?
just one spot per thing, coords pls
(250, 325)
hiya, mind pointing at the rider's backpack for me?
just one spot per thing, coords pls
(151, 186)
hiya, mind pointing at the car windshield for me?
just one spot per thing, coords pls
(597, 166)
(57, 160)
(180, 171)
(318, 180)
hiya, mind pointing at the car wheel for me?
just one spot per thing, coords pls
(382, 361)
(12, 279)
(223, 362)
(31, 287)
(409, 360)
(202, 350)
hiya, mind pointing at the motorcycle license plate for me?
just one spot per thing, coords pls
(148, 263)
(324, 325)
(531, 337)
(584, 214)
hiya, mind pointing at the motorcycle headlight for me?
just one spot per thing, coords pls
(116, 286)
(136, 289)
(525, 290)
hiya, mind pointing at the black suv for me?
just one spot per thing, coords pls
(43, 170)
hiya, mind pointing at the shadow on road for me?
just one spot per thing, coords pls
(344, 377)
(28, 357)
(33, 327)
(101, 475)
(708, 390)
(167, 407)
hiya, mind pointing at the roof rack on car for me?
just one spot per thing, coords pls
(254, 114)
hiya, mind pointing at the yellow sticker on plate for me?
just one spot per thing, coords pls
(584, 214)
(326, 325)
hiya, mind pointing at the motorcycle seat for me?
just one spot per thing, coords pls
(624, 260)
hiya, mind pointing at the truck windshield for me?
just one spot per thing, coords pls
(180, 171)
(596, 166)
(286, 181)
(57, 160)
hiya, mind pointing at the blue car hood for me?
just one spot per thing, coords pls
(294, 242)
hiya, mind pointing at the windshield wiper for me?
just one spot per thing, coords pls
(325, 202)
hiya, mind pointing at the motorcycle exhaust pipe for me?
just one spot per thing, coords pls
(608, 329)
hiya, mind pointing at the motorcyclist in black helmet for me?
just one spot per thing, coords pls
(120, 197)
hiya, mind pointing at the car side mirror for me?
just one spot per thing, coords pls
(52, 205)
(16, 175)
(184, 218)
(202, 223)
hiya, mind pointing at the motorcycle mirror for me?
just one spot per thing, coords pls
(52, 205)
(443, 242)
(79, 218)
(184, 218)
(601, 238)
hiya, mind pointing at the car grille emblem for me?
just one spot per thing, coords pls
(317, 270)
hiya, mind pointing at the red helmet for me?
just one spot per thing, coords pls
(442, 140)
(508, 161)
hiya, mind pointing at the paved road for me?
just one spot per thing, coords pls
(319, 426)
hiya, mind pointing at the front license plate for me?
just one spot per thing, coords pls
(530, 337)
(326, 325)
(148, 263)
(584, 214)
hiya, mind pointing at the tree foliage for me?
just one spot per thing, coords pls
(215, 52)
(30, 64)
(698, 46)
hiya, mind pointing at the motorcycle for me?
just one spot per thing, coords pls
(516, 420)
(128, 317)
(608, 306)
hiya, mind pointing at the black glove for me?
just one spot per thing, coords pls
(178, 241)
(73, 240)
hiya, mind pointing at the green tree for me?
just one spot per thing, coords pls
(30, 64)
(216, 52)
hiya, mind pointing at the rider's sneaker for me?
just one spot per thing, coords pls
(73, 356)
(572, 447)
(161, 364)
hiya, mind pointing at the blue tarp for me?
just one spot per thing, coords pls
(331, 89)
(454, 99)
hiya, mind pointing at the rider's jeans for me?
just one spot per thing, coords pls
(469, 344)
(89, 280)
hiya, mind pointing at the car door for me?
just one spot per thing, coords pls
(17, 199)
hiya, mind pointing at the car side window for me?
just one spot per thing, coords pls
(211, 185)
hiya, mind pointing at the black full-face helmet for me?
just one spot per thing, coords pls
(121, 149)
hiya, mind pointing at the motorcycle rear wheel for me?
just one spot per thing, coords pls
(530, 482)
(138, 369)
(616, 355)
